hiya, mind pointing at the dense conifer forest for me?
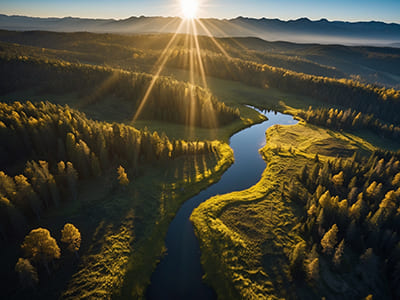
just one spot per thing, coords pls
(351, 217)
(167, 102)
(349, 120)
(52, 140)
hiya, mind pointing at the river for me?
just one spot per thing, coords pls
(179, 274)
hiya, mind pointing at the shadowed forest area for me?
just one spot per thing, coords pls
(105, 136)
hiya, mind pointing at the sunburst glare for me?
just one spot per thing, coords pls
(189, 8)
(192, 60)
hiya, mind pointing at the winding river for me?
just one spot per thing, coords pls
(179, 274)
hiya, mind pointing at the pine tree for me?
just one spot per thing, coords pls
(325, 199)
(122, 176)
(338, 179)
(72, 179)
(337, 257)
(313, 269)
(26, 196)
(297, 259)
(329, 240)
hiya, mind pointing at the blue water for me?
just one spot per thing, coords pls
(179, 274)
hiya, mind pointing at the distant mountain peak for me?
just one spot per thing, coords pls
(301, 30)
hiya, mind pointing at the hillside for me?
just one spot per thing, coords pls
(373, 65)
(301, 30)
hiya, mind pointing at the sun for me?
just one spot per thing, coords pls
(189, 8)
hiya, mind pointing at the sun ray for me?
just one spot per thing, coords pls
(212, 38)
(185, 57)
(200, 61)
(174, 20)
(101, 90)
(209, 107)
(192, 111)
(161, 62)
(216, 28)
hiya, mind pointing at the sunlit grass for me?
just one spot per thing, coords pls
(246, 237)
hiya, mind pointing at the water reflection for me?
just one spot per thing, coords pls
(179, 274)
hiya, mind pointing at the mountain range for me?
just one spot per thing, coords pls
(302, 30)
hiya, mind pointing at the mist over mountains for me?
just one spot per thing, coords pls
(300, 31)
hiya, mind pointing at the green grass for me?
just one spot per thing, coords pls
(246, 237)
(377, 141)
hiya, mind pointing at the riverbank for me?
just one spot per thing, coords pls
(150, 246)
(246, 237)
(179, 275)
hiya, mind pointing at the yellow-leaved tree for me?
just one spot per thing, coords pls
(71, 236)
(40, 247)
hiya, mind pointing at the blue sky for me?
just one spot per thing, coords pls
(349, 10)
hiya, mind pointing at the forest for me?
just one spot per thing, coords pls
(330, 89)
(349, 120)
(350, 210)
(167, 102)
(103, 142)
(48, 153)
(66, 138)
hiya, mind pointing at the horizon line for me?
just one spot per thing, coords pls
(201, 18)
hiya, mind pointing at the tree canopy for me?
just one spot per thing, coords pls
(71, 236)
(40, 247)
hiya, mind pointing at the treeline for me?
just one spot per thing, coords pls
(383, 103)
(368, 99)
(180, 58)
(295, 63)
(351, 207)
(348, 120)
(170, 100)
(134, 52)
(60, 146)
(113, 49)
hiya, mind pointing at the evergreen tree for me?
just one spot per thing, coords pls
(122, 176)
(297, 259)
(338, 179)
(329, 240)
(313, 269)
(337, 257)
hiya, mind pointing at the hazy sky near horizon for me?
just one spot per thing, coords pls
(347, 10)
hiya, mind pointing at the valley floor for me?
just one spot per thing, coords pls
(247, 237)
